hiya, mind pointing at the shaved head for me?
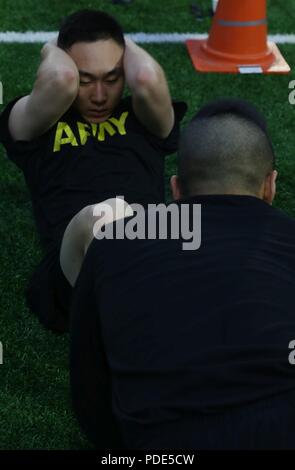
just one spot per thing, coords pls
(225, 149)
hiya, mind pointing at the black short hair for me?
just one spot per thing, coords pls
(226, 147)
(88, 26)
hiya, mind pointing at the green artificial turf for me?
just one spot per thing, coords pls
(138, 15)
(35, 411)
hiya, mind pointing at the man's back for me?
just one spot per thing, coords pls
(190, 333)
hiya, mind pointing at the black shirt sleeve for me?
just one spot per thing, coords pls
(17, 150)
(169, 144)
(89, 371)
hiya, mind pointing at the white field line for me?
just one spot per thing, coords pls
(156, 38)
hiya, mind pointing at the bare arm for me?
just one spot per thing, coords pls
(81, 229)
(150, 93)
(55, 89)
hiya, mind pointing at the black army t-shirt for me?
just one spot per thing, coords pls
(76, 163)
(164, 338)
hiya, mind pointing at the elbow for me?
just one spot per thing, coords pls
(64, 81)
(148, 77)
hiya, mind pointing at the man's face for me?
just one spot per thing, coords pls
(100, 65)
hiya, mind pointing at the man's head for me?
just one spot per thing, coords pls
(225, 149)
(95, 42)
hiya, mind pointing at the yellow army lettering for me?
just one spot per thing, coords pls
(65, 135)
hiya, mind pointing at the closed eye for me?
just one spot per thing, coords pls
(86, 80)
(112, 80)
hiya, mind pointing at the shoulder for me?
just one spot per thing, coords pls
(282, 217)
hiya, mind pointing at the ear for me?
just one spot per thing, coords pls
(174, 184)
(270, 187)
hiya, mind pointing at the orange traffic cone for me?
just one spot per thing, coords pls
(238, 41)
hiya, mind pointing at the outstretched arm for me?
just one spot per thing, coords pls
(55, 88)
(150, 93)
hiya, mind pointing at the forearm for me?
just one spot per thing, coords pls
(57, 67)
(141, 69)
(55, 88)
(150, 93)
